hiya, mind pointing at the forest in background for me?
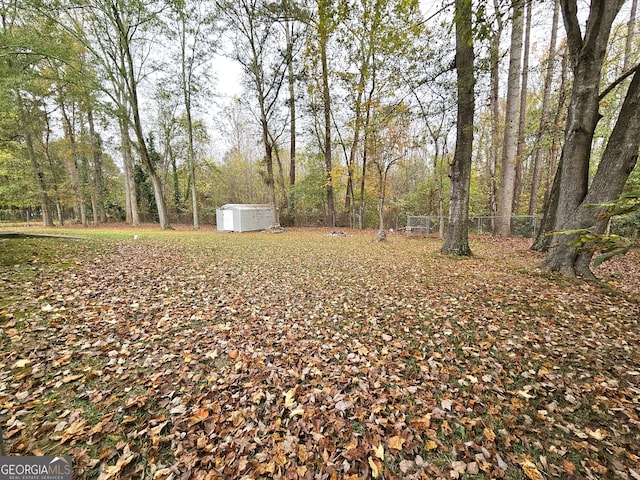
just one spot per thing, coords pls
(347, 116)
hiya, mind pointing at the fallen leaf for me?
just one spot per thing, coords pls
(178, 410)
(376, 467)
(199, 416)
(531, 471)
(598, 434)
(406, 466)
(379, 451)
(501, 463)
(473, 468)
(158, 428)
(75, 429)
(395, 442)
(489, 435)
(569, 467)
(459, 467)
(290, 398)
(430, 445)
(22, 363)
(303, 455)
(280, 459)
(113, 471)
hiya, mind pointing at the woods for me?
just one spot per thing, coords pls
(112, 113)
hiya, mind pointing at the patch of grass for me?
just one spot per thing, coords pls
(91, 413)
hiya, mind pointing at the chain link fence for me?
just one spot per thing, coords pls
(521, 225)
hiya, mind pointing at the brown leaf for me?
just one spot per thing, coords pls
(303, 455)
(569, 467)
(376, 467)
(598, 434)
(489, 435)
(379, 451)
(76, 429)
(280, 459)
(125, 459)
(395, 442)
(430, 445)
(531, 471)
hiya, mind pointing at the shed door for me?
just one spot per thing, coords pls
(227, 220)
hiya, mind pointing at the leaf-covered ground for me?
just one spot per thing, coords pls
(206, 355)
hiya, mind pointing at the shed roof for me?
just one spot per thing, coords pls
(244, 206)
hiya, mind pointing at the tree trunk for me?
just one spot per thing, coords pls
(522, 121)
(186, 93)
(543, 128)
(281, 181)
(73, 165)
(54, 177)
(130, 78)
(631, 29)
(587, 57)
(131, 199)
(357, 125)
(326, 100)
(457, 241)
(47, 221)
(292, 120)
(163, 217)
(494, 103)
(271, 183)
(94, 210)
(509, 145)
(177, 200)
(618, 161)
(541, 243)
(97, 168)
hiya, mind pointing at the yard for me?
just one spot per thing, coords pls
(199, 355)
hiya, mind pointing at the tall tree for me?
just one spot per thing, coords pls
(587, 51)
(522, 119)
(193, 28)
(74, 161)
(116, 35)
(326, 24)
(25, 47)
(544, 126)
(38, 171)
(294, 19)
(494, 106)
(618, 161)
(509, 146)
(382, 41)
(96, 151)
(132, 214)
(255, 37)
(457, 239)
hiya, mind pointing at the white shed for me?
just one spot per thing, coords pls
(236, 217)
